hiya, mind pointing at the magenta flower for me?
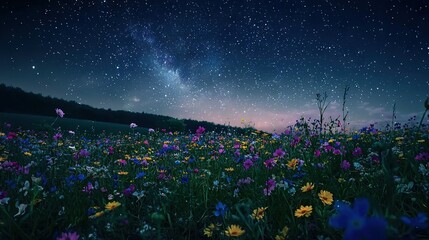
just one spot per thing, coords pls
(57, 136)
(317, 153)
(247, 164)
(11, 135)
(423, 156)
(270, 163)
(111, 150)
(279, 153)
(133, 125)
(375, 158)
(357, 151)
(337, 152)
(270, 185)
(88, 188)
(59, 112)
(200, 130)
(68, 236)
(345, 165)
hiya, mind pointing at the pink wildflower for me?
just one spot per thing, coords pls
(59, 112)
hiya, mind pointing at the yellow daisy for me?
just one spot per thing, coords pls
(304, 211)
(259, 213)
(307, 187)
(326, 197)
(234, 231)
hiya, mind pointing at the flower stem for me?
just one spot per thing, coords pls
(421, 120)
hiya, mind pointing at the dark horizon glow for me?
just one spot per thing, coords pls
(222, 61)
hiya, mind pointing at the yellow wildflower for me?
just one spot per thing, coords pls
(326, 197)
(304, 211)
(208, 231)
(259, 213)
(112, 205)
(307, 187)
(292, 163)
(234, 231)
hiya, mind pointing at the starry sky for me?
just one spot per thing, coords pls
(260, 62)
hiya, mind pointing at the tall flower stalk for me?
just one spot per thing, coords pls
(426, 110)
(60, 114)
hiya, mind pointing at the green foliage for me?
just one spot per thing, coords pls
(167, 186)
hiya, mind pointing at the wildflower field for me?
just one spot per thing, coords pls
(300, 184)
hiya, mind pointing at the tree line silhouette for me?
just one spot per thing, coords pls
(15, 100)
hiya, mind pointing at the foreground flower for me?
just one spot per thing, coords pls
(303, 211)
(326, 197)
(133, 125)
(355, 222)
(112, 205)
(307, 187)
(234, 231)
(68, 236)
(259, 213)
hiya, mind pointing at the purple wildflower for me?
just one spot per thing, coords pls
(59, 112)
(345, 165)
(247, 164)
(270, 185)
(270, 163)
(279, 153)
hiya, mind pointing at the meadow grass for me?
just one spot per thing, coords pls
(300, 184)
(43, 123)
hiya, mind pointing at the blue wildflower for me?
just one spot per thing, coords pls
(140, 175)
(81, 177)
(91, 211)
(220, 209)
(185, 179)
(356, 223)
(420, 221)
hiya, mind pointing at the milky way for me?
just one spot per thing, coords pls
(257, 62)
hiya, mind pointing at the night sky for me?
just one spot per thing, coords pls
(222, 61)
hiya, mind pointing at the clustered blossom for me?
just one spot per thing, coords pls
(270, 186)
